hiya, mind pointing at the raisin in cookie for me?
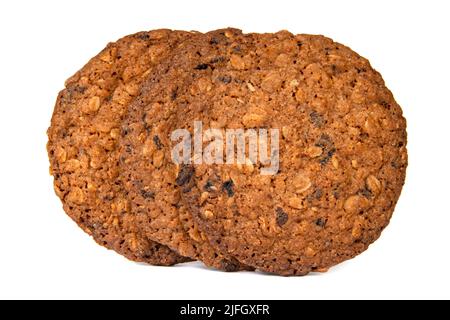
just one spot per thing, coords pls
(83, 137)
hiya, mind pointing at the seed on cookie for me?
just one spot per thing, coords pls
(373, 184)
(208, 214)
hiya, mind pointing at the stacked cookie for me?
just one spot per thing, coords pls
(319, 191)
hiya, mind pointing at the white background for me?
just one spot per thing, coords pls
(44, 255)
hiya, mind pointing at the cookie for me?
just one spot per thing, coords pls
(154, 182)
(83, 140)
(324, 184)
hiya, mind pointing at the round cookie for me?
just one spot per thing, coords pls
(153, 180)
(342, 148)
(83, 137)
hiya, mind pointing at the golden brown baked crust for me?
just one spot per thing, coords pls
(83, 137)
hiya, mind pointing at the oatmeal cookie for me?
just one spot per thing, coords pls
(83, 137)
(342, 147)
